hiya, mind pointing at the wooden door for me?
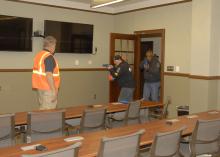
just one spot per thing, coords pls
(150, 34)
(126, 46)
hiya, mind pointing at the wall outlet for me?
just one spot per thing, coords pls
(170, 68)
(89, 62)
(77, 62)
(94, 96)
(177, 69)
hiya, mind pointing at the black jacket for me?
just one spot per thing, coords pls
(123, 75)
(152, 74)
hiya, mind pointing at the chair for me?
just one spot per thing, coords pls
(93, 119)
(160, 113)
(131, 115)
(7, 132)
(166, 144)
(133, 112)
(204, 140)
(72, 126)
(70, 151)
(123, 146)
(44, 125)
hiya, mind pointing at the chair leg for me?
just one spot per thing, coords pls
(69, 128)
(67, 131)
(109, 122)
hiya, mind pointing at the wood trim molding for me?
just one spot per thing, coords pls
(199, 77)
(15, 70)
(101, 12)
(147, 33)
(62, 69)
(83, 69)
(176, 74)
(204, 77)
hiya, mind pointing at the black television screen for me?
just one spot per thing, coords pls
(15, 33)
(71, 37)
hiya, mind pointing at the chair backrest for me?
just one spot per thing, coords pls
(93, 119)
(70, 151)
(7, 132)
(45, 124)
(133, 112)
(205, 137)
(166, 144)
(165, 108)
(123, 146)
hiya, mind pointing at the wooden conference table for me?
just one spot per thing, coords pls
(77, 111)
(91, 142)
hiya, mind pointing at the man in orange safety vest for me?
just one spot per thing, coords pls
(46, 75)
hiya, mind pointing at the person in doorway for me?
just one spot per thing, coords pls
(46, 76)
(122, 73)
(151, 69)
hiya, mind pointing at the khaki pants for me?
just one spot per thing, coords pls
(45, 100)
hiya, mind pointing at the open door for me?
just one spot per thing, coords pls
(145, 37)
(125, 45)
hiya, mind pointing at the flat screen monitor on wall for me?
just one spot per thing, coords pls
(71, 37)
(15, 33)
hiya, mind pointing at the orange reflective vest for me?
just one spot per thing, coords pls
(39, 80)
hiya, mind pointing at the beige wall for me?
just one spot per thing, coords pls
(205, 54)
(191, 41)
(103, 25)
(205, 37)
(176, 19)
(178, 89)
(216, 39)
(188, 34)
(77, 87)
(200, 46)
(218, 95)
(200, 92)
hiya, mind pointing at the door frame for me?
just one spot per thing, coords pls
(151, 33)
(114, 36)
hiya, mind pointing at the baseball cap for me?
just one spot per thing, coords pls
(117, 57)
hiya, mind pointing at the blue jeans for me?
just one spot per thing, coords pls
(126, 95)
(151, 90)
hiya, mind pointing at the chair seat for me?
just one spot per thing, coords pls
(185, 151)
(204, 139)
(146, 153)
(45, 125)
(93, 120)
(123, 146)
(131, 116)
(118, 116)
(7, 131)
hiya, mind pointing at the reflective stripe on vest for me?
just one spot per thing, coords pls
(40, 72)
(39, 78)
(44, 74)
